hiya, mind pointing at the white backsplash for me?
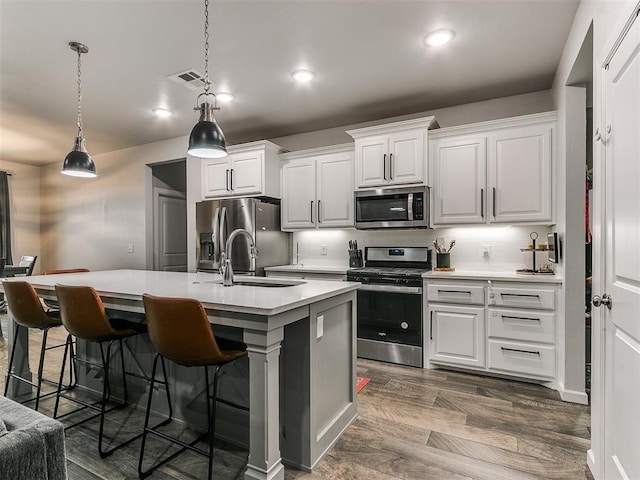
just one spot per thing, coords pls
(505, 243)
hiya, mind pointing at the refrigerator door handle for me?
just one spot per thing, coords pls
(223, 223)
(215, 235)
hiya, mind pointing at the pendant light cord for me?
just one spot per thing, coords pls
(79, 96)
(207, 83)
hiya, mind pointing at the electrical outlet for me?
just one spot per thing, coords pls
(323, 249)
(486, 251)
(320, 326)
(130, 248)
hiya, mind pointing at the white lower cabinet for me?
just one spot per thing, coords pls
(457, 334)
(507, 328)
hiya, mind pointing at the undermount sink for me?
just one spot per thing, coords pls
(258, 282)
(265, 282)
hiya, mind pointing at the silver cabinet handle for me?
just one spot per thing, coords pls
(311, 211)
(319, 210)
(494, 202)
(482, 203)
(517, 350)
(226, 179)
(509, 317)
(604, 300)
(231, 178)
(391, 166)
(384, 166)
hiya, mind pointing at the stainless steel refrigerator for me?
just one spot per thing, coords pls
(216, 219)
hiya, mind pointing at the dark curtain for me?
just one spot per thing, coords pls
(5, 219)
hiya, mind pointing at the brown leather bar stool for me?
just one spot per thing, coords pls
(25, 307)
(181, 332)
(83, 315)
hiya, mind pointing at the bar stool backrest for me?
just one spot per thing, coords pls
(180, 330)
(24, 304)
(65, 270)
(82, 312)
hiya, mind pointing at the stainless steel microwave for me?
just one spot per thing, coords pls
(403, 207)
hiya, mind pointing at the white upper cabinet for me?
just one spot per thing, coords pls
(494, 172)
(520, 174)
(459, 177)
(249, 169)
(392, 154)
(317, 188)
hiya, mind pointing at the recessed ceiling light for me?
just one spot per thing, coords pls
(162, 112)
(439, 37)
(224, 97)
(303, 76)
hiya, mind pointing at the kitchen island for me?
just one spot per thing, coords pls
(301, 354)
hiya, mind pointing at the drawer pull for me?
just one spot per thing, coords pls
(454, 292)
(505, 349)
(508, 317)
(519, 295)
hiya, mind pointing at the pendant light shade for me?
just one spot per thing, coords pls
(206, 139)
(78, 162)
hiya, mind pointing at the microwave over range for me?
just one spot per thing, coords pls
(404, 207)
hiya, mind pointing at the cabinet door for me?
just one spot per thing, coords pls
(371, 162)
(298, 195)
(215, 178)
(459, 176)
(406, 157)
(247, 175)
(335, 190)
(457, 335)
(520, 174)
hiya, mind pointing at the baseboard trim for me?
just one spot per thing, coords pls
(591, 463)
(574, 396)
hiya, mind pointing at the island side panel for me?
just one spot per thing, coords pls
(319, 369)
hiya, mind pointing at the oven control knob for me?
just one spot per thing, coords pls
(404, 325)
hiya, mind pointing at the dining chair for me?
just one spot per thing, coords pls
(28, 261)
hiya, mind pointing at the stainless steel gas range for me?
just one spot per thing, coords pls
(390, 326)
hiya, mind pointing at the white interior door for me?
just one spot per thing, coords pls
(170, 245)
(621, 235)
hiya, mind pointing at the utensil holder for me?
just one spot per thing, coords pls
(355, 258)
(443, 260)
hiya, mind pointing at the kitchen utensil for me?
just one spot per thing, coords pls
(451, 245)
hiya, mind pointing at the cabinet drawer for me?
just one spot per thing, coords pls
(523, 297)
(525, 325)
(455, 293)
(522, 358)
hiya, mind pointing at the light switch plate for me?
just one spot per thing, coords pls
(130, 248)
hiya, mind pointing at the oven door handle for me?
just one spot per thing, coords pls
(391, 289)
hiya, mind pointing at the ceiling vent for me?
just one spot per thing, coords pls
(189, 78)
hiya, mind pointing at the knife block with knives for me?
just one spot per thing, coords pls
(355, 255)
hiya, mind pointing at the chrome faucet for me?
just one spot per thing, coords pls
(226, 270)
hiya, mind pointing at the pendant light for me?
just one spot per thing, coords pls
(206, 139)
(78, 163)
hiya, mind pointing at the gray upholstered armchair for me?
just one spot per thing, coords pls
(31, 444)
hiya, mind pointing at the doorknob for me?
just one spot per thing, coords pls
(604, 300)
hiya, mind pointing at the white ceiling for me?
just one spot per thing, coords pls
(368, 56)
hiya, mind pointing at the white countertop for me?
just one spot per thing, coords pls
(308, 269)
(485, 275)
(131, 284)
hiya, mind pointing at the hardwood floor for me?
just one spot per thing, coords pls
(412, 424)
